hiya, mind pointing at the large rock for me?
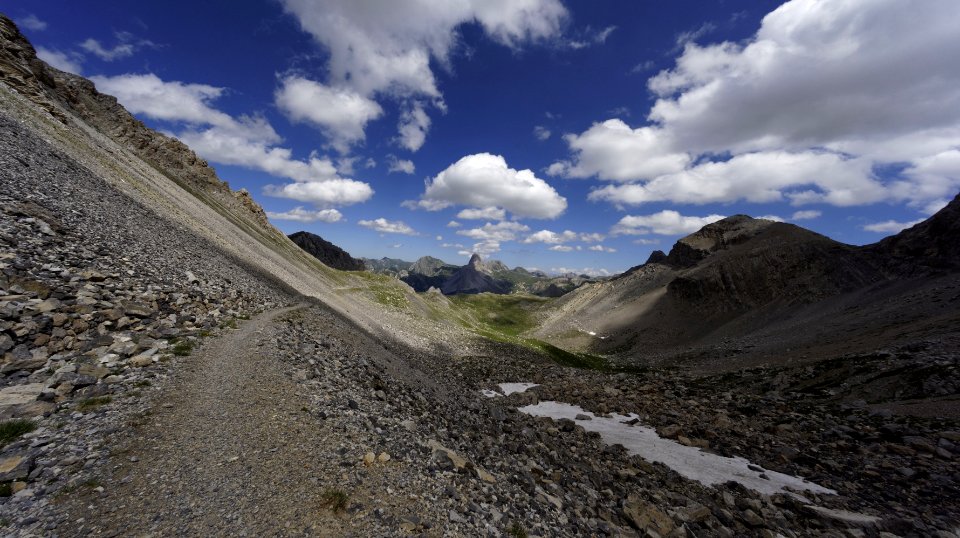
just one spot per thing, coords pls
(645, 516)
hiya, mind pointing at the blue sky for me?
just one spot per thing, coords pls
(555, 134)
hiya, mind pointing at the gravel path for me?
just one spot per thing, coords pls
(229, 450)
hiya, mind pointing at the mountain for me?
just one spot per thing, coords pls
(471, 279)
(387, 266)
(784, 290)
(331, 255)
(428, 272)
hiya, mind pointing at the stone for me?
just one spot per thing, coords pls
(483, 475)
(447, 457)
(20, 394)
(669, 432)
(141, 360)
(369, 458)
(645, 516)
(383, 457)
(14, 468)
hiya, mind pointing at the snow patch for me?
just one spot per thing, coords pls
(511, 388)
(690, 462)
(490, 393)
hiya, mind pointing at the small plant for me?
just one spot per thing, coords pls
(229, 324)
(93, 403)
(142, 383)
(335, 500)
(6, 490)
(182, 348)
(12, 429)
(517, 530)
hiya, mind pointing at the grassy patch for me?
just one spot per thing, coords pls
(182, 348)
(510, 315)
(567, 358)
(12, 429)
(93, 403)
(389, 295)
(335, 499)
(6, 489)
(229, 324)
(516, 530)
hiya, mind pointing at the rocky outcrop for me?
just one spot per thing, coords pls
(329, 254)
(471, 279)
(55, 90)
(934, 244)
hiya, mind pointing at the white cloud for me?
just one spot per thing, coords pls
(541, 132)
(121, 50)
(774, 218)
(299, 214)
(383, 225)
(331, 192)
(601, 248)
(386, 48)
(589, 271)
(454, 224)
(561, 248)
(400, 165)
(890, 226)
(413, 127)
(612, 150)
(31, 22)
(487, 213)
(845, 86)
(592, 237)
(501, 231)
(683, 38)
(341, 113)
(591, 37)
(760, 178)
(439, 238)
(808, 214)
(551, 238)
(484, 180)
(165, 100)
(666, 222)
(452, 245)
(248, 141)
(60, 60)
(643, 241)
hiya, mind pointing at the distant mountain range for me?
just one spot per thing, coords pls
(478, 276)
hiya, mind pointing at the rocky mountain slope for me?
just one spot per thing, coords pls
(773, 288)
(329, 254)
(173, 365)
(472, 278)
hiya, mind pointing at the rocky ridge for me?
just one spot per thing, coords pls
(329, 254)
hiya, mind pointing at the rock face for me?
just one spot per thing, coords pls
(472, 279)
(329, 254)
(934, 244)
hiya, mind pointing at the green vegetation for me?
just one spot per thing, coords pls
(390, 296)
(6, 490)
(93, 403)
(509, 315)
(517, 530)
(335, 499)
(12, 429)
(182, 348)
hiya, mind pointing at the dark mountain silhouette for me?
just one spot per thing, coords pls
(331, 255)
(472, 279)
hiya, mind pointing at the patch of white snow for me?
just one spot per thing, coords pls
(690, 462)
(511, 388)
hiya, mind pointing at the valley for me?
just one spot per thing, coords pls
(172, 364)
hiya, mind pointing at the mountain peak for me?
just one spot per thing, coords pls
(475, 261)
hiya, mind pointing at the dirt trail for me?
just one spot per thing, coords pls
(228, 450)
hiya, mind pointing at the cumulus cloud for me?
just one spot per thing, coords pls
(248, 141)
(541, 132)
(890, 226)
(601, 248)
(491, 235)
(299, 214)
(666, 222)
(484, 180)
(32, 22)
(400, 165)
(341, 113)
(330, 192)
(454, 224)
(589, 271)
(385, 48)
(845, 87)
(487, 213)
(550, 237)
(383, 225)
(807, 214)
(561, 248)
(61, 60)
(413, 127)
(612, 150)
(760, 178)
